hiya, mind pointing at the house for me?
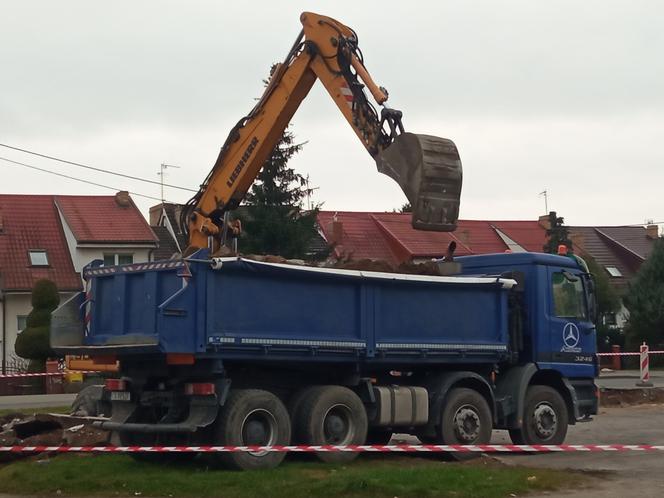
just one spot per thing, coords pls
(105, 227)
(165, 223)
(54, 237)
(620, 251)
(390, 237)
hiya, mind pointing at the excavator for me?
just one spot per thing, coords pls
(427, 168)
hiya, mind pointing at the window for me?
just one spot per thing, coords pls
(118, 259)
(125, 259)
(38, 257)
(21, 322)
(613, 271)
(568, 296)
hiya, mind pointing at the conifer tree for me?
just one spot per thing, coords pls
(645, 301)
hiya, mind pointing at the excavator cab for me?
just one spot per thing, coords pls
(428, 170)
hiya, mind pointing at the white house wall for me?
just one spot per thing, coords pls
(16, 305)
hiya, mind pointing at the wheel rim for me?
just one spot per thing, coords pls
(338, 427)
(545, 420)
(467, 424)
(259, 428)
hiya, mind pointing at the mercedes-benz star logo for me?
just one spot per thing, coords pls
(571, 335)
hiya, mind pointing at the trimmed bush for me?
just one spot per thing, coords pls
(33, 342)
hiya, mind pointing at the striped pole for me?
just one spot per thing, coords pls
(645, 373)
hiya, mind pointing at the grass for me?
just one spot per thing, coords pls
(371, 476)
(30, 411)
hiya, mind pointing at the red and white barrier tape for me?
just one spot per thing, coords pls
(628, 354)
(46, 374)
(399, 448)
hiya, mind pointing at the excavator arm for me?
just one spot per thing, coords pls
(427, 168)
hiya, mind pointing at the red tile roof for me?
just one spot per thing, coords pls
(32, 222)
(390, 236)
(528, 234)
(362, 239)
(621, 247)
(100, 219)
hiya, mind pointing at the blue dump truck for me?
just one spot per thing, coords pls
(231, 351)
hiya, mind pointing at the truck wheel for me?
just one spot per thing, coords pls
(545, 418)
(466, 418)
(296, 399)
(331, 415)
(252, 417)
(88, 403)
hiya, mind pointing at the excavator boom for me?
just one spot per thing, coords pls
(427, 168)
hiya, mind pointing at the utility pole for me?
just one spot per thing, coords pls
(546, 201)
(162, 172)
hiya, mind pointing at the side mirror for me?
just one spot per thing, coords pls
(570, 277)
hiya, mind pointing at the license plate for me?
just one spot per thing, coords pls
(120, 396)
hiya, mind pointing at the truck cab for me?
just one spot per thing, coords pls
(552, 313)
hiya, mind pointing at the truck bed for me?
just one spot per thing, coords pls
(252, 310)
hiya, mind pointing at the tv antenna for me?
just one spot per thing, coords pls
(162, 172)
(544, 193)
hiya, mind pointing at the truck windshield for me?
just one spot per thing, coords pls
(568, 297)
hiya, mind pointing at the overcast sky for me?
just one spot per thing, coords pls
(566, 96)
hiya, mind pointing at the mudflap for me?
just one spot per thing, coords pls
(428, 170)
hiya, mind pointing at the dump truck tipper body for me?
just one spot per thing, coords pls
(507, 344)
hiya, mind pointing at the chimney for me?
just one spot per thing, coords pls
(337, 231)
(544, 221)
(155, 214)
(122, 199)
(652, 231)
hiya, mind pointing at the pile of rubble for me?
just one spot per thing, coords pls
(46, 429)
(628, 397)
(425, 268)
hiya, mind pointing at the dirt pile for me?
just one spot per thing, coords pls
(43, 429)
(627, 397)
(425, 268)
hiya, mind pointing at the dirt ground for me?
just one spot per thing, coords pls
(615, 474)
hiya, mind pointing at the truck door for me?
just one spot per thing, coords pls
(572, 333)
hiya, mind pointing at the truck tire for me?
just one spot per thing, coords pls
(545, 418)
(252, 417)
(332, 415)
(88, 403)
(466, 418)
(295, 401)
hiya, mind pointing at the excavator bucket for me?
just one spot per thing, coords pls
(428, 170)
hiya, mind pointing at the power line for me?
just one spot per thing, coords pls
(76, 179)
(138, 178)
